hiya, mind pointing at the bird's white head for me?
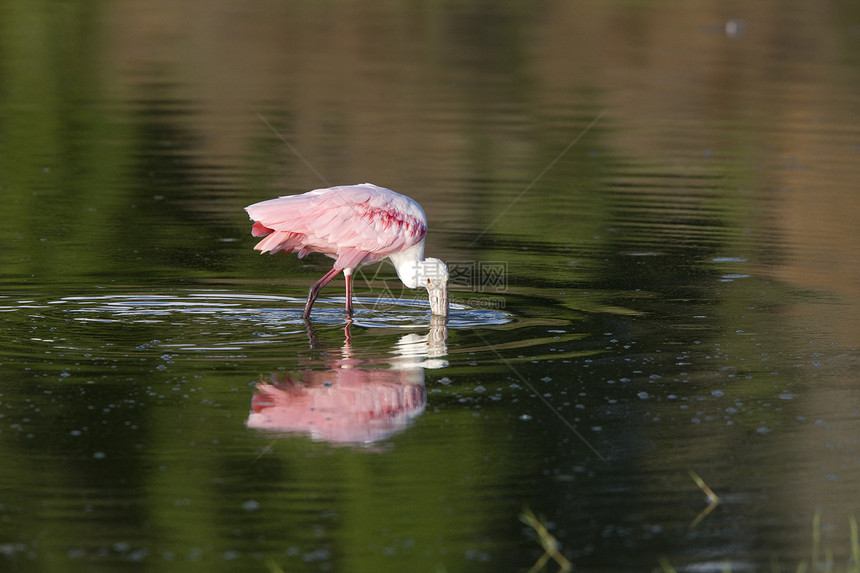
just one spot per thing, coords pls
(429, 273)
(433, 275)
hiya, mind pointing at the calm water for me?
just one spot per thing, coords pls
(650, 211)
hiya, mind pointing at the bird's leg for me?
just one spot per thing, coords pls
(347, 273)
(315, 291)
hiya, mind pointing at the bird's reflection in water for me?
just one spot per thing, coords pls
(352, 401)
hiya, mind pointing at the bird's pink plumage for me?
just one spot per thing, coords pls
(354, 224)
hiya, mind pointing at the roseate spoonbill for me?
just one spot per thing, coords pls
(355, 225)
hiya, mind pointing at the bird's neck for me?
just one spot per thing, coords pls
(407, 264)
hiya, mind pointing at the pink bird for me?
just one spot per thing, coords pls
(355, 225)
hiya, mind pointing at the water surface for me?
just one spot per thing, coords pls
(650, 216)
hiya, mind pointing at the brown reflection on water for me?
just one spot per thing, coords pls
(426, 101)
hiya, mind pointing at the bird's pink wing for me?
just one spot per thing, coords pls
(354, 224)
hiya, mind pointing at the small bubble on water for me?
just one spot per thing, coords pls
(76, 553)
(525, 417)
(251, 505)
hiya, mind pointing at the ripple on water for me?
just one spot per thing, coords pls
(370, 311)
(212, 320)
